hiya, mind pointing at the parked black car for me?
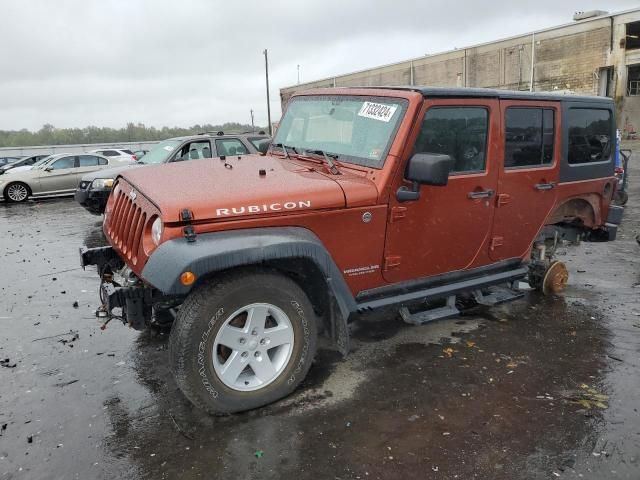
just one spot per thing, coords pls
(23, 162)
(94, 188)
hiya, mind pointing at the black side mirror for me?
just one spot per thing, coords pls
(425, 169)
(48, 169)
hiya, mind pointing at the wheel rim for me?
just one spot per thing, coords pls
(253, 347)
(17, 192)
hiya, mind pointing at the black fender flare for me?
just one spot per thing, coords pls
(219, 251)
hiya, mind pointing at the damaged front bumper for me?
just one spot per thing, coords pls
(123, 295)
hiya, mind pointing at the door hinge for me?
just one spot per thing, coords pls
(397, 213)
(503, 199)
(392, 261)
(496, 242)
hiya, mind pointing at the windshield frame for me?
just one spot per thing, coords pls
(174, 142)
(342, 158)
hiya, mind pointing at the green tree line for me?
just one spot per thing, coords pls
(50, 135)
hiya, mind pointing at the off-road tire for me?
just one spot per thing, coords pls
(205, 311)
(6, 196)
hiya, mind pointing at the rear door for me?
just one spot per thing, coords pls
(528, 176)
(448, 228)
(90, 163)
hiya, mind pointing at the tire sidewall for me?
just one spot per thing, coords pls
(213, 314)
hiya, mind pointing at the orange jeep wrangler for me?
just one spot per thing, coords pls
(425, 199)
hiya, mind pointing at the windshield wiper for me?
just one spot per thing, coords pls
(284, 149)
(328, 157)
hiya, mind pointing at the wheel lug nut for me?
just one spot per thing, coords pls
(243, 341)
(257, 354)
(263, 341)
(245, 354)
(254, 332)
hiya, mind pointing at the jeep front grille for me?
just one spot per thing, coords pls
(126, 221)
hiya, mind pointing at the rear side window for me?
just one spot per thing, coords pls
(589, 135)
(109, 153)
(529, 134)
(128, 152)
(89, 161)
(460, 132)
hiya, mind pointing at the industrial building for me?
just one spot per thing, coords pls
(597, 54)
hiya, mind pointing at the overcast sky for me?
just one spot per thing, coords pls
(74, 63)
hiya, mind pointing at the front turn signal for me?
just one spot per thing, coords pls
(187, 278)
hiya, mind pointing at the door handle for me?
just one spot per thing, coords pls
(544, 186)
(480, 194)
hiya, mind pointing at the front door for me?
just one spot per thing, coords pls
(59, 176)
(528, 177)
(449, 227)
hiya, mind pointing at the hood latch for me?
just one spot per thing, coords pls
(189, 232)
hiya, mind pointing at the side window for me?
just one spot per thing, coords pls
(460, 132)
(88, 161)
(589, 135)
(529, 137)
(194, 151)
(230, 146)
(110, 153)
(62, 163)
(102, 161)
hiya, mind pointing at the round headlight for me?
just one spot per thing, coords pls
(156, 231)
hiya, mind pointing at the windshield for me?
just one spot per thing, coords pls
(43, 161)
(358, 130)
(161, 152)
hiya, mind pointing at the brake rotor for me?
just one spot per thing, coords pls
(555, 278)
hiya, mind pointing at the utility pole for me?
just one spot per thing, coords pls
(266, 71)
(298, 74)
(253, 128)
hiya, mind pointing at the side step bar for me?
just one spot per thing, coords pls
(446, 290)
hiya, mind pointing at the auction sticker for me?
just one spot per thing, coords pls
(377, 111)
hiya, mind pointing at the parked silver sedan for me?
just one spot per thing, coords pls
(57, 175)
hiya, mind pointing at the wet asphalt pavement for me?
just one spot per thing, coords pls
(539, 388)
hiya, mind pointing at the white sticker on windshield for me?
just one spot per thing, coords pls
(168, 148)
(377, 111)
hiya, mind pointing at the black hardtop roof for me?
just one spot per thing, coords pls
(494, 93)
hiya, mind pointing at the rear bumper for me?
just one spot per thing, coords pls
(614, 219)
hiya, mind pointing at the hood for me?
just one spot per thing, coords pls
(109, 172)
(252, 185)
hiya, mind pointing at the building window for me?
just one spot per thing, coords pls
(529, 137)
(632, 40)
(633, 80)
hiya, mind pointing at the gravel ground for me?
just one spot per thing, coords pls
(539, 388)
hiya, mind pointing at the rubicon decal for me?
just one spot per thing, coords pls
(265, 207)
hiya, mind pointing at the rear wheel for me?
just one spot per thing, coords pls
(243, 341)
(16, 192)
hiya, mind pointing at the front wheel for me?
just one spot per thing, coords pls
(16, 192)
(243, 341)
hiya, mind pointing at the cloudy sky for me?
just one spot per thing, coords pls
(74, 63)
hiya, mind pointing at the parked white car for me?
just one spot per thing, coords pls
(116, 153)
(57, 175)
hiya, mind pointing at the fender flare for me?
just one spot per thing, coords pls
(219, 251)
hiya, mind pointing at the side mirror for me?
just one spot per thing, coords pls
(48, 169)
(425, 169)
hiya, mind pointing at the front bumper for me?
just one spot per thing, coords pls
(94, 201)
(119, 287)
